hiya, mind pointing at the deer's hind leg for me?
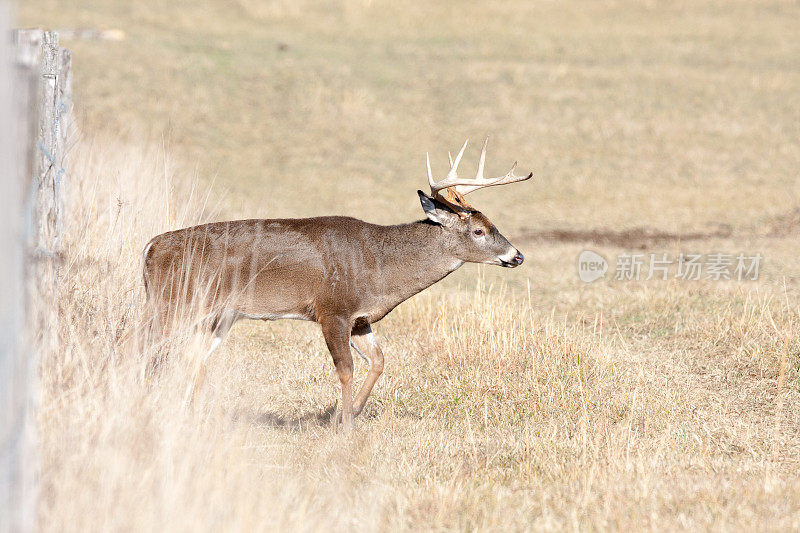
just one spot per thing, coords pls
(153, 341)
(219, 326)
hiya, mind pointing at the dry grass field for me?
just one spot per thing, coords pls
(512, 399)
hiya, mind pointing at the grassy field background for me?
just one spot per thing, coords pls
(520, 399)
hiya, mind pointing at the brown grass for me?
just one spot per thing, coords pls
(512, 400)
(664, 408)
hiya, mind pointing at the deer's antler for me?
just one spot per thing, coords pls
(458, 187)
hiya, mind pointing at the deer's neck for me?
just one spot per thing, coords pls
(413, 257)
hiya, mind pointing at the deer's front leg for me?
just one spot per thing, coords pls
(337, 337)
(364, 341)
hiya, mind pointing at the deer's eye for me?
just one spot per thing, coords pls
(478, 232)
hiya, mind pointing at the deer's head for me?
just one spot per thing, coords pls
(473, 238)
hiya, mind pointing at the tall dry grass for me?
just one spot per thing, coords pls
(493, 412)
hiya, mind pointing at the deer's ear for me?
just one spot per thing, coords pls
(437, 211)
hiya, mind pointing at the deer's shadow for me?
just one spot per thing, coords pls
(328, 417)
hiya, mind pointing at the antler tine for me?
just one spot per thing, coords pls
(454, 165)
(482, 160)
(430, 174)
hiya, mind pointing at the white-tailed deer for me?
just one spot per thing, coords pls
(340, 272)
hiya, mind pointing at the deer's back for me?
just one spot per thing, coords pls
(263, 268)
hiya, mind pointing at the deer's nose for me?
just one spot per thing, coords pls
(518, 259)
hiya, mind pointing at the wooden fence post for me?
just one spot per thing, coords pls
(54, 122)
(18, 464)
(35, 123)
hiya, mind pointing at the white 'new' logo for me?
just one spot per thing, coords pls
(591, 266)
